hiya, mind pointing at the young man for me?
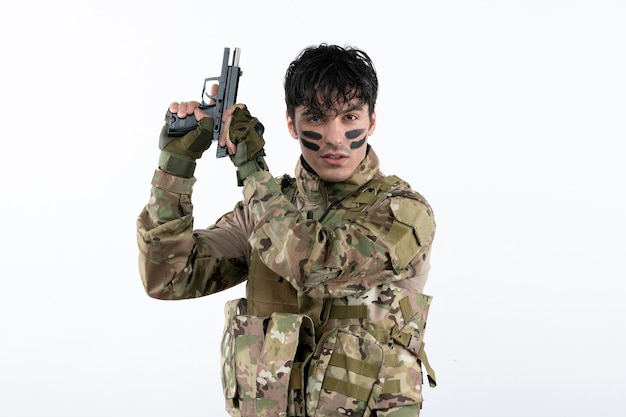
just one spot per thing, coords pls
(335, 259)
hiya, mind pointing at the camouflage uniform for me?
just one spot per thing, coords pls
(334, 318)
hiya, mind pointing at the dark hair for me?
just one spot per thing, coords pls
(324, 77)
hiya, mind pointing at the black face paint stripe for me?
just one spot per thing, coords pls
(358, 143)
(353, 134)
(312, 135)
(310, 145)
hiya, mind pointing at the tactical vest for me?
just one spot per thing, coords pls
(287, 354)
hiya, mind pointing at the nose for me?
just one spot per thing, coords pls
(334, 133)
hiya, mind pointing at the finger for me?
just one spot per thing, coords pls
(182, 109)
(214, 90)
(199, 114)
(232, 148)
(225, 141)
(225, 136)
(231, 110)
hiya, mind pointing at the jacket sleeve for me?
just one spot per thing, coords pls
(390, 244)
(177, 262)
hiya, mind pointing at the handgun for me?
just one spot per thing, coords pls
(228, 83)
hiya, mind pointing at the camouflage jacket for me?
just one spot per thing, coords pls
(178, 262)
(342, 247)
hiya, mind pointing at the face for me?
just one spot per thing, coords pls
(334, 143)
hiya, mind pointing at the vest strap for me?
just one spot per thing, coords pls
(430, 372)
(297, 376)
(346, 388)
(354, 365)
(348, 312)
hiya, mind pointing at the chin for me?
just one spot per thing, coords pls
(334, 177)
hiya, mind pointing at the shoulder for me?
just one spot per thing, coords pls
(410, 222)
(411, 208)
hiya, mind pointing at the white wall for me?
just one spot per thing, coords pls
(507, 115)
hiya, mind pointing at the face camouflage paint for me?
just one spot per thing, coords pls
(333, 143)
(358, 143)
(311, 135)
(353, 134)
(350, 135)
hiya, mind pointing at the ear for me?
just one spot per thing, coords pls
(291, 126)
(372, 128)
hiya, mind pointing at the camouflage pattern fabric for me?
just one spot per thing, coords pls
(347, 257)
(358, 264)
(370, 358)
(260, 375)
(177, 262)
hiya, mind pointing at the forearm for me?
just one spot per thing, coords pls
(164, 235)
(174, 261)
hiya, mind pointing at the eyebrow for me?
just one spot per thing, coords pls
(352, 108)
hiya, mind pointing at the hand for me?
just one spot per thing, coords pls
(224, 140)
(243, 136)
(178, 154)
(187, 108)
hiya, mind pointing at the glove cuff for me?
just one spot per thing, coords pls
(250, 167)
(176, 164)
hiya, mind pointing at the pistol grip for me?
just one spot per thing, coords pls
(178, 126)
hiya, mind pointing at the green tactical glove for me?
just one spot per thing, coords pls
(247, 133)
(179, 153)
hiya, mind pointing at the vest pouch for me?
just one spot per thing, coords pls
(242, 342)
(344, 375)
(262, 360)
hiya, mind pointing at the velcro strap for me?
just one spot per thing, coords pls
(349, 389)
(346, 388)
(391, 386)
(382, 335)
(391, 359)
(430, 372)
(172, 183)
(247, 168)
(177, 164)
(348, 312)
(296, 380)
(354, 365)
(406, 309)
(402, 338)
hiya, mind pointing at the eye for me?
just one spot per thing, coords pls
(316, 119)
(352, 117)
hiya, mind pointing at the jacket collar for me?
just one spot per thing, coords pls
(315, 191)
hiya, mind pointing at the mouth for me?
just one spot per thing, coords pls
(334, 158)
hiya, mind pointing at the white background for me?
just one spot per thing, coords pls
(507, 115)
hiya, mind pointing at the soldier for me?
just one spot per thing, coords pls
(335, 259)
